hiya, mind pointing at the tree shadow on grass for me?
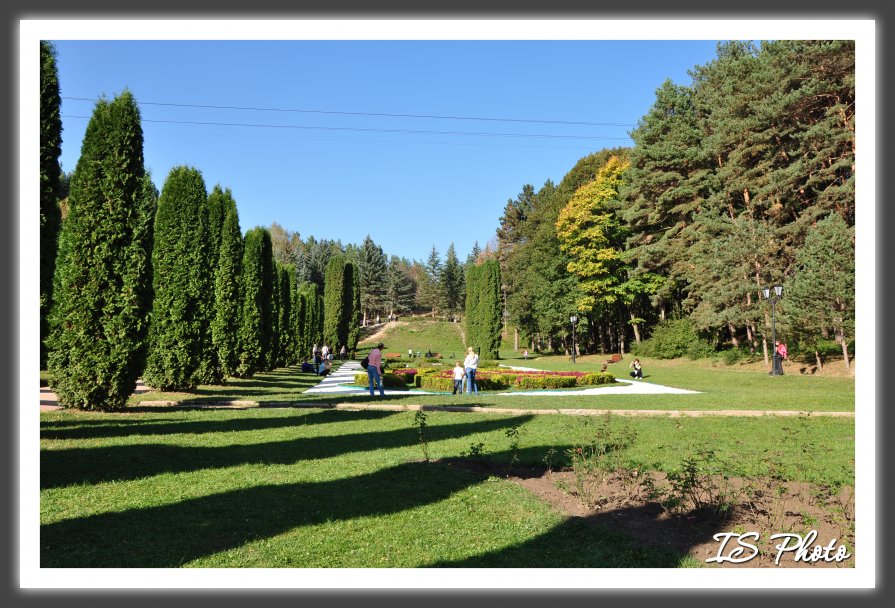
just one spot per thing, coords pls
(65, 467)
(96, 429)
(173, 535)
(597, 541)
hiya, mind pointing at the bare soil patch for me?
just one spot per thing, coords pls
(619, 502)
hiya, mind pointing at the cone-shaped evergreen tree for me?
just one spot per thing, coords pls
(283, 318)
(225, 328)
(50, 173)
(104, 279)
(355, 307)
(256, 290)
(309, 314)
(336, 302)
(483, 308)
(181, 353)
(291, 292)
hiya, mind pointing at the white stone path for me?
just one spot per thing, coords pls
(340, 382)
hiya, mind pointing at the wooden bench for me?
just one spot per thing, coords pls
(613, 359)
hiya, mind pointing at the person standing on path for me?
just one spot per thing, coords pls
(343, 354)
(374, 369)
(471, 363)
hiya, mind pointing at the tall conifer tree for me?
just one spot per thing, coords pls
(104, 277)
(50, 176)
(181, 352)
(225, 328)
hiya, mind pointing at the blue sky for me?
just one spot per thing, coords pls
(336, 170)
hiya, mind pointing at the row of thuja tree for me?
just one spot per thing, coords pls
(165, 285)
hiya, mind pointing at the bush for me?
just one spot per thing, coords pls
(595, 379)
(389, 380)
(435, 383)
(546, 381)
(673, 339)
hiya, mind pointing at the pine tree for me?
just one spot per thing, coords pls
(821, 294)
(181, 353)
(452, 282)
(103, 283)
(50, 177)
(430, 294)
(371, 265)
(225, 328)
(400, 288)
(256, 289)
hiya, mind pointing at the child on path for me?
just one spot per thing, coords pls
(459, 374)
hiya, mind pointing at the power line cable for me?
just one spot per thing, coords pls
(383, 114)
(371, 130)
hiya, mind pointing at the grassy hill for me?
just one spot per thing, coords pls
(421, 334)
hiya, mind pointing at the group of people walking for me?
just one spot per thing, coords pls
(322, 357)
(464, 373)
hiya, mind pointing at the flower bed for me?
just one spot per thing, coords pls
(499, 380)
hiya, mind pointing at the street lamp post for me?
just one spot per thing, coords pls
(573, 320)
(774, 294)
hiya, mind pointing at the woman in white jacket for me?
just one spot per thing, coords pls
(471, 363)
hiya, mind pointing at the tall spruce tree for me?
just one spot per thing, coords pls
(400, 288)
(452, 282)
(50, 177)
(181, 353)
(225, 328)
(256, 289)
(371, 266)
(103, 279)
(430, 294)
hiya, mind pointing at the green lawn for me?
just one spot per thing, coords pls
(421, 334)
(721, 388)
(281, 487)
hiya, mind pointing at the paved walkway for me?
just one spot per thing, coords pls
(50, 402)
(339, 382)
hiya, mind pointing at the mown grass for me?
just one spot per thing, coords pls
(421, 334)
(280, 487)
(720, 388)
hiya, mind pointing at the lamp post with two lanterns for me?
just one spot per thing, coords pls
(774, 294)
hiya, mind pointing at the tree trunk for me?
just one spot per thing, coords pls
(364, 322)
(636, 327)
(733, 335)
(840, 337)
(516, 338)
(764, 340)
(820, 363)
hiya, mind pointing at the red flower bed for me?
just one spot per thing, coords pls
(404, 371)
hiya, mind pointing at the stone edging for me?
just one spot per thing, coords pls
(500, 410)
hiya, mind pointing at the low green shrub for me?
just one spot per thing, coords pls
(672, 339)
(546, 381)
(388, 380)
(595, 379)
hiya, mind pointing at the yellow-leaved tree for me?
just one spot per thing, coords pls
(590, 233)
